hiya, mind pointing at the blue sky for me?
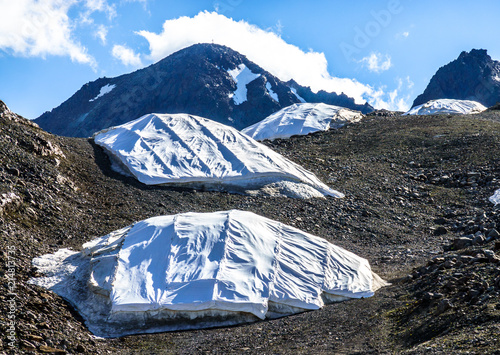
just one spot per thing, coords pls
(381, 51)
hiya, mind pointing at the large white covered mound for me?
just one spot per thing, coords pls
(197, 270)
(189, 150)
(302, 119)
(447, 106)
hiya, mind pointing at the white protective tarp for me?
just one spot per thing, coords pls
(495, 198)
(189, 150)
(301, 119)
(198, 270)
(447, 106)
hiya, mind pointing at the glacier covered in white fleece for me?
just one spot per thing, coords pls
(188, 150)
(198, 270)
(447, 106)
(302, 119)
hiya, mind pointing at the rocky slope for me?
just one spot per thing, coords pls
(416, 191)
(472, 76)
(194, 80)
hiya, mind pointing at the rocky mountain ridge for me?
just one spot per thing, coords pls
(472, 76)
(195, 80)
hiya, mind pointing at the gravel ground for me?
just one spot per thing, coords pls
(416, 207)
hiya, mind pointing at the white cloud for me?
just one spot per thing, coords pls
(376, 63)
(394, 99)
(265, 48)
(402, 35)
(126, 56)
(101, 33)
(409, 83)
(39, 28)
(279, 28)
(34, 28)
(99, 6)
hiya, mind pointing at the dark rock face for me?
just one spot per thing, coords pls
(329, 98)
(473, 76)
(194, 80)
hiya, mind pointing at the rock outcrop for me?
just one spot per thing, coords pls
(472, 76)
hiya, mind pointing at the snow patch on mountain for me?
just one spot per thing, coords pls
(294, 91)
(271, 92)
(106, 89)
(242, 76)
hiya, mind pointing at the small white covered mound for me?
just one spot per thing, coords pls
(193, 151)
(495, 198)
(198, 270)
(447, 106)
(301, 119)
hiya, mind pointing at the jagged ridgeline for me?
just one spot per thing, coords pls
(207, 80)
(472, 76)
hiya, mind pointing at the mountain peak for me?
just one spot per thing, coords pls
(208, 80)
(477, 53)
(472, 76)
(208, 51)
(3, 108)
